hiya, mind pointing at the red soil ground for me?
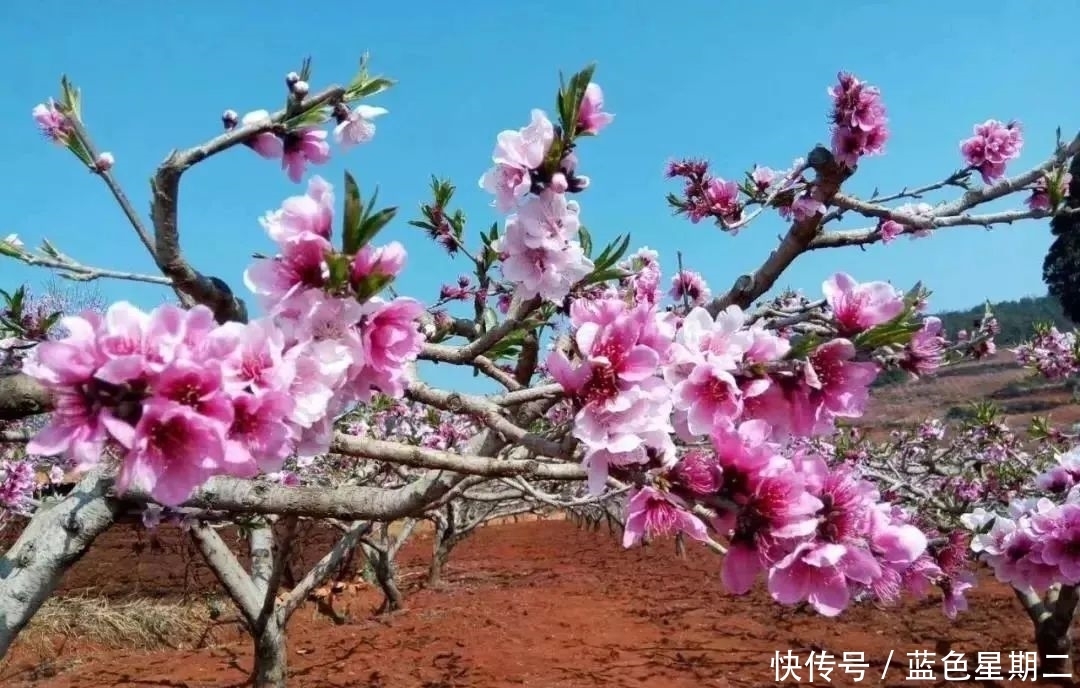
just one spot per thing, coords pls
(533, 604)
(546, 604)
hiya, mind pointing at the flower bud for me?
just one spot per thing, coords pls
(230, 119)
(374, 268)
(559, 183)
(300, 89)
(291, 78)
(104, 162)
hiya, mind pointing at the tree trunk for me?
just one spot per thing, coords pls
(1052, 616)
(438, 560)
(271, 656)
(385, 575)
(1055, 652)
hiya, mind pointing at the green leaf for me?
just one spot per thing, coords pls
(7, 249)
(339, 270)
(354, 216)
(305, 70)
(371, 285)
(586, 241)
(373, 225)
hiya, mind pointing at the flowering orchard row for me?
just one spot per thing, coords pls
(710, 410)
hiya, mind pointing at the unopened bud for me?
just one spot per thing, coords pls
(230, 119)
(291, 78)
(300, 89)
(559, 183)
(104, 162)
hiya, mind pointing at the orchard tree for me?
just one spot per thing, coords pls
(1061, 268)
(699, 409)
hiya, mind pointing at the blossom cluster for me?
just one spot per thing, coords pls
(535, 168)
(859, 120)
(991, 147)
(1036, 542)
(1051, 353)
(180, 398)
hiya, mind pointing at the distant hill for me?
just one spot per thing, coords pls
(1017, 318)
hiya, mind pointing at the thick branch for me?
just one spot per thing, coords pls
(55, 538)
(324, 568)
(830, 176)
(421, 457)
(22, 396)
(240, 586)
(165, 188)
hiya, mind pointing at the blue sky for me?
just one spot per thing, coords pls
(738, 83)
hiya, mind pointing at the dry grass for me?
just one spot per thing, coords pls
(143, 624)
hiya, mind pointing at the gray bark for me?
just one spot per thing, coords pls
(1052, 618)
(56, 537)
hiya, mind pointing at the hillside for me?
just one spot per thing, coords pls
(1015, 317)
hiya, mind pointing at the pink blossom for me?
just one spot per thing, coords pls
(391, 339)
(699, 473)
(311, 213)
(538, 255)
(859, 120)
(710, 396)
(836, 381)
(651, 513)
(301, 147)
(644, 282)
(53, 123)
(175, 449)
(926, 351)
(858, 307)
(778, 508)
(358, 127)
(384, 261)
(763, 178)
(820, 573)
(889, 230)
(722, 200)
(591, 117)
(992, 147)
(17, 485)
(691, 286)
(301, 265)
(256, 438)
(805, 207)
(516, 154)
(266, 144)
(1040, 199)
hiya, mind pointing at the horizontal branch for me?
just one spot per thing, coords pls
(422, 457)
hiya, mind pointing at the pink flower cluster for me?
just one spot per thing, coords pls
(539, 249)
(624, 407)
(818, 533)
(705, 195)
(992, 147)
(1037, 543)
(17, 485)
(300, 147)
(1053, 354)
(181, 398)
(859, 120)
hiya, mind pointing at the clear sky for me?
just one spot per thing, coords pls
(737, 82)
